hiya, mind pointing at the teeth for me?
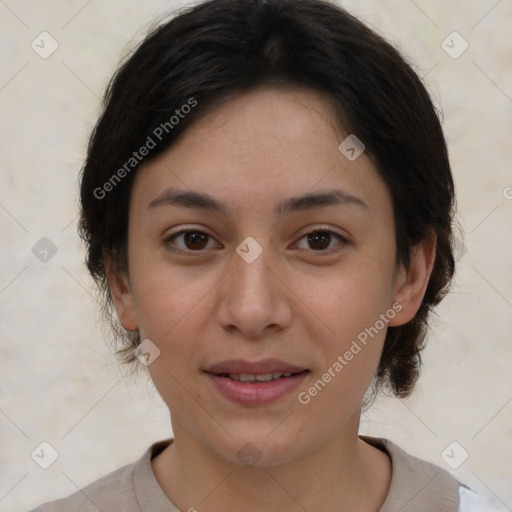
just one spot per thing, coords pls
(245, 377)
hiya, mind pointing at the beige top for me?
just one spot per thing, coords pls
(416, 486)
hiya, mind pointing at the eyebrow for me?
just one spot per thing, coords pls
(202, 201)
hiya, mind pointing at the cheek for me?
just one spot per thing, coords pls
(166, 297)
(350, 348)
(173, 312)
(173, 307)
(353, 322)
(350, 301)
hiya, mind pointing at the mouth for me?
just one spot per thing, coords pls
(264, 367)
(255, 383)
(257, 378)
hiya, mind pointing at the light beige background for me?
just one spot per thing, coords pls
(59, 380)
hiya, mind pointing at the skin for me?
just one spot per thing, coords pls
(293, 303)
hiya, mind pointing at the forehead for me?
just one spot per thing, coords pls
(261, 147)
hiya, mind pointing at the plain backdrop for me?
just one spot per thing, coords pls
(60, 382)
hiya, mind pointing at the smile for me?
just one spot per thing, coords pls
(245, 377)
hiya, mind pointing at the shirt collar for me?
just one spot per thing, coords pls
(416, 484)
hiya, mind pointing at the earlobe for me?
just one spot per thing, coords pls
(122, 296)
(411, 283)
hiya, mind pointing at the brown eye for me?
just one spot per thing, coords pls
(195, 240)
(321, 241)
(189, 241)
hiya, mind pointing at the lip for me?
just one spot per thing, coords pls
(247, 393)
(257, 393)
(254, 367)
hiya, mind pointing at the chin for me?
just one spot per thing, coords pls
(262, 448)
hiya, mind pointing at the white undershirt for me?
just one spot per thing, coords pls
(472, 502)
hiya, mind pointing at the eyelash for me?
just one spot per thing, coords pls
(322, 252)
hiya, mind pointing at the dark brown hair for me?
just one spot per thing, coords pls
(219, 48)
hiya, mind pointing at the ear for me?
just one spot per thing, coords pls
(122, 296)
(410, 284)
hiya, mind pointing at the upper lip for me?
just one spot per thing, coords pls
(262, 367)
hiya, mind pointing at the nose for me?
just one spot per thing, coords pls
(254, 298)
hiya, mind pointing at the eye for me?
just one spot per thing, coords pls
(191, 241)
(320, 240)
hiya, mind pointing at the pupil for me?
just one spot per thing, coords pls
(195, 240)
(317, 237)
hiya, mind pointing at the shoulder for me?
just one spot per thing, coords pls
(470, 501)
(422, 486)
(115, 487)
(130, 488)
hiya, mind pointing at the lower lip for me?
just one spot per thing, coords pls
(247, 393)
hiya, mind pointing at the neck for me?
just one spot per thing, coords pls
(343, 474)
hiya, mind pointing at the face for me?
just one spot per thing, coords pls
(252, 272)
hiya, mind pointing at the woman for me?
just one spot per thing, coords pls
(267, 202)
